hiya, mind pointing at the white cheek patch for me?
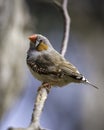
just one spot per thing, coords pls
(37, 43)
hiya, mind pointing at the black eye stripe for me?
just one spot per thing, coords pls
(38, 43)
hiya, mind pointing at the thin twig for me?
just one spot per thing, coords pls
(41, 97)
(67, 20)
(38, 107)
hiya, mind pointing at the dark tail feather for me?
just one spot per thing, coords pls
(87, 82)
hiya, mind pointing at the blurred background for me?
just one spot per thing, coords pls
(73, 107)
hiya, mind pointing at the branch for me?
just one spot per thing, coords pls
(41, 97)
(42, 94)
(66, 17)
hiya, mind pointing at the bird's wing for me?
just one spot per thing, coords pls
(42, 65)
(71, 70)
(53, 65)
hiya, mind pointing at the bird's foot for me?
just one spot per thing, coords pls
(45, 85)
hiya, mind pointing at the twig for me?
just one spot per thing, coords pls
(38, 107)
(67, 20)
(41, 97)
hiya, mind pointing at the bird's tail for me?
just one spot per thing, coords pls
(87, 82)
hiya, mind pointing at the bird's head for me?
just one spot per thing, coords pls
(39, 43)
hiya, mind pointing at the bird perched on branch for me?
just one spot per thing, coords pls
(49, 66)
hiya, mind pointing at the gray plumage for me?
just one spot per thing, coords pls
(47, 65)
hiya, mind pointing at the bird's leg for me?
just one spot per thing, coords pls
(45, 85)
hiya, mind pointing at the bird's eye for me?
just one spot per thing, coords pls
(40, 41)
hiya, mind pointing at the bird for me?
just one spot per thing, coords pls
(49, 66)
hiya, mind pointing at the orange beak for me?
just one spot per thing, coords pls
(33, 38)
